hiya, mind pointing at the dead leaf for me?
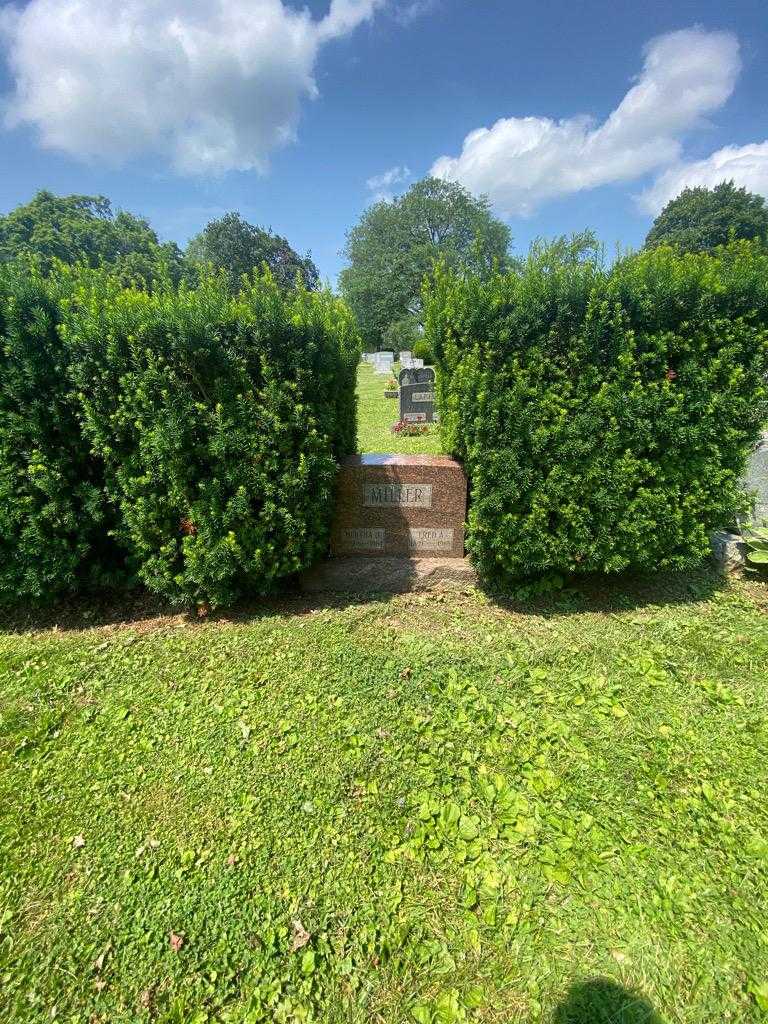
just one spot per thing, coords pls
(98, 963)
(145, 999)
(78, 842)
(300, 936)
(406, 673)
(231, 860)
(177, 941)
(99, 984)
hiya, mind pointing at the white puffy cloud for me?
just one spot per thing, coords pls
(520, 162)
(382, 184)
(747, 166)
(213, 85)
(394, 176)
(346, 15)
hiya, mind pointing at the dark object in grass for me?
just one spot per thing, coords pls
(602, 1001)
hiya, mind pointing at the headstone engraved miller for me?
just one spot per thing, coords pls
(406, 505)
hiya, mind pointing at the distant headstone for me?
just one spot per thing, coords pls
(417, 402)
(405, 354)
(417, 363)
(383, 363)
(756, 478)
(422, 375)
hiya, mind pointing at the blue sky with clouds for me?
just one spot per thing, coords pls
(568, 115)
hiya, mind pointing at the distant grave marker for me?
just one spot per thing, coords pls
(417, 395)
(417, 375)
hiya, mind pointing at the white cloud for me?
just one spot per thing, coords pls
(394, 176)
(520, 162)
(747, 166)
(410, 10)
(213, 85)
(346, 15)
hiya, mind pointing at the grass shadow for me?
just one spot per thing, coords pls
(140, 609)
(602, 1001)
(612, 594)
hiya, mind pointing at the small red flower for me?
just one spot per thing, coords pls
(187, 527)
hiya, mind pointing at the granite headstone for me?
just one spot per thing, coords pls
(417, 402)
(756, 479)
(407, 505)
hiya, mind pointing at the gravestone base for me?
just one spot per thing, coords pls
(389, 575)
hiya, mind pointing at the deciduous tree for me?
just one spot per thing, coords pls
(396, 244)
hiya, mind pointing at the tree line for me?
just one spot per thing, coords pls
(389, 252)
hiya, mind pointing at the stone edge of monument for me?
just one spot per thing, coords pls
(728, 550)
(388, 459)
(389, 574)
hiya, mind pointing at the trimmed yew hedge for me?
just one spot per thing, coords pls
(213, 422)
(55, 520)
(603, 415)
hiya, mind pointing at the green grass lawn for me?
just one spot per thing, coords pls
(421, 809)
(375, 416)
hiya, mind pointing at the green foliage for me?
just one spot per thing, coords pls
(422, 350)
(604, 416)
(700, 219)
(396, 244)
(76, 228)
(239, 248)
(756, 539)
(54, 518)
(219, 420)
(401, 335)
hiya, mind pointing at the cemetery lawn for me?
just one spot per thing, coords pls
(376, 414)
(422, 809)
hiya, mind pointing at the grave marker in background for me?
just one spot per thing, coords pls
(417, 403)
(413, 375)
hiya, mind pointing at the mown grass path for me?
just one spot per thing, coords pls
(424, 809)
(375, 416)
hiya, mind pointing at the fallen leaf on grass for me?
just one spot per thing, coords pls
(177, 941)
(98, 963)
(78, 842)
(300, 936)
(145, 999)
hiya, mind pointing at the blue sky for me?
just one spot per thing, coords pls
(181, 110)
